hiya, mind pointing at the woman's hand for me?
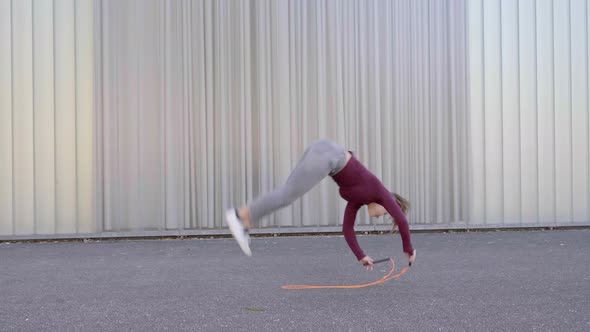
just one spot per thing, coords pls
(411, 257)
(367, 263)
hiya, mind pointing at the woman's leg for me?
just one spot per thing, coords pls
(316, 163)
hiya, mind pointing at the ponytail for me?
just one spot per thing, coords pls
(404, 204)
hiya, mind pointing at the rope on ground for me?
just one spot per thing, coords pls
(385, 278)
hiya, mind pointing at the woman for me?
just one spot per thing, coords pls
(357, 185)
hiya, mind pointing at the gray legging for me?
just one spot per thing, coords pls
(320, 159)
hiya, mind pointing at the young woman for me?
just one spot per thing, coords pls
(357, 185)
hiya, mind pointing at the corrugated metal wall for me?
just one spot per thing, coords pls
(529, 111)
(46, 117)
(156, 115)
(210, 103)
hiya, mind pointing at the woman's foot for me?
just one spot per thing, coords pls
(238, 231)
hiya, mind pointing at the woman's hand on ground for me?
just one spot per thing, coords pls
(367, 263)
(411, 257)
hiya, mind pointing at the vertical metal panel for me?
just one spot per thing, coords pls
(23, 117)
(422, 211)
(546, 110)
(107, 146)
(173, 119)
(44, 117)
(84, 113)
(207, 157)
(563, 111)
(386, 84)
(200, 125)
(527, 51)
(477, 148)
(98, 172)
(149, 136)
(435, 106)
(282, 104)
(462, 92)
(510, 113)
(65, 116)
(580, 110)
(457, 70)
(128, 115)
(493, 112)
(6, 115)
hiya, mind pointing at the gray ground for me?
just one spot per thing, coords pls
(500, 281)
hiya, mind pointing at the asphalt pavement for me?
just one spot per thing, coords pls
(489, 281)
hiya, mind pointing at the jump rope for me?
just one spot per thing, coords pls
(385, 278)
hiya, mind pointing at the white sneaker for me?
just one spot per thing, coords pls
(238, 231)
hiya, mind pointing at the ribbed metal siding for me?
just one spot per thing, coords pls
(46, 110)
(210, 103)
(169, 111)
(529, 112)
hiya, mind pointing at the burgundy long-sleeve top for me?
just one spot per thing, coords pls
(358, 186)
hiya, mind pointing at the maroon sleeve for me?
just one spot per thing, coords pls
(396, 213)
(348, 230)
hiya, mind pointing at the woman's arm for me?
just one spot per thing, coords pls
(400, 219)
(348, 230)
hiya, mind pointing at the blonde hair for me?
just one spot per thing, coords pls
(404, 205)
